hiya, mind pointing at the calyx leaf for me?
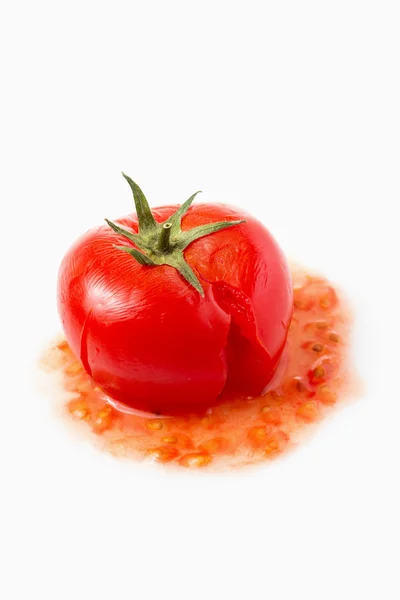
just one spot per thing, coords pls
(164, 243)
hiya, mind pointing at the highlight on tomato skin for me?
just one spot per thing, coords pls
(169, 308)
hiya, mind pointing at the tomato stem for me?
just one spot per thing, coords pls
(164, 243)
(153, 241)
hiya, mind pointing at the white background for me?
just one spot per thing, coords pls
(289, 109)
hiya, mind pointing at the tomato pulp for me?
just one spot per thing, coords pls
(312, 377)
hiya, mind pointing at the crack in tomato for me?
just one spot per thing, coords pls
(83, 345)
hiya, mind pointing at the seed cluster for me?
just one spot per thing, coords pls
(312, 376)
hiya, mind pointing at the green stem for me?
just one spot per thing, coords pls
(152, 246)
(164, 243)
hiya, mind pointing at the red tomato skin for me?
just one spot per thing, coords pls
(151, 341)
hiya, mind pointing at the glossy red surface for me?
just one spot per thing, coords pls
(149, 339)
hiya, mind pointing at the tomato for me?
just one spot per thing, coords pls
(167, 308)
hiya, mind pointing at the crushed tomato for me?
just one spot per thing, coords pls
(312, 377)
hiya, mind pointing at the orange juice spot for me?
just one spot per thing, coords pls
(154, 425)
(78, 408)
(271, 415)
(328, 298)
(214, 445)
(162, 453)
(326, 394)
(73, 368)
(207, 421)
(272, 447)
(118, 445)
(79, 385)
(195, 460)
(272, 398)
(102, 419)
(275, 443)
(183, 441)
(63, 346)
(301, 300)
(308, 411)
(298, 304)
(257, 436)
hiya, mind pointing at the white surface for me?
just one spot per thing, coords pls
(290, 109)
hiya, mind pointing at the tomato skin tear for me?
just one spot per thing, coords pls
(150, 340)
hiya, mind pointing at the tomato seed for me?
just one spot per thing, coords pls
(162, 454)
(169, 439)
(308, 411)
(214, 445)
(326, 394)
(319, 372)
(103, 419)
(257, 436)
(275, 443)
(318, 347)
(154, 425)
(271, 415)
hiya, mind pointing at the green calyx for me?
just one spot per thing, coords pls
(164, 243)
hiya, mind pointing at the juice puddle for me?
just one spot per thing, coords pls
(314, 375)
